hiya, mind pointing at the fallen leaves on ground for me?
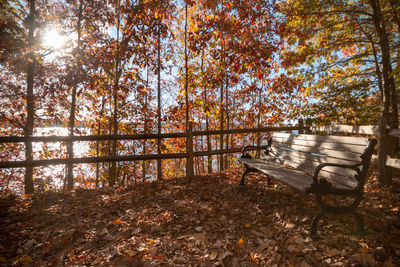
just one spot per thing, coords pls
(210, 221)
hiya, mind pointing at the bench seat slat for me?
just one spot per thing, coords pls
(339, 176)
(292, 177)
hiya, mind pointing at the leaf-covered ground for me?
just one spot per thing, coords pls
(208, 222)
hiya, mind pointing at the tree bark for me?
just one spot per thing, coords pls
(227, 121)
(159, 166)
(70, 145)
(117, 74)
(186, 71)
(97, 143)
(388, 82)
(144, 149)
(258, 153)
(209, 158)
(221, 108)
(30, 101)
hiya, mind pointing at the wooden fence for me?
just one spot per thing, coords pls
(383, 159)
(189, 155)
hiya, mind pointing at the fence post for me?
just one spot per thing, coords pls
(308, 126)
(385, 173)
(189, 151)
(301, 126)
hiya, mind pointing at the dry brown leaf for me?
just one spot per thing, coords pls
(213, 255)
(218, 243)
(241, 243)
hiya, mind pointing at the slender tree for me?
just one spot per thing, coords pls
(159, 166)
(117, 75)
(71, 126)
(30, 101)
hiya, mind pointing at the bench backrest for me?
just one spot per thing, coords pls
(305, 152)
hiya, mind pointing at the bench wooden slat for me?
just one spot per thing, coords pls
(393, 162)
(346, 155)
(321, 145)
(318, 157)
(298, 157)
(292, 177)
(337, 175)
(321, 138)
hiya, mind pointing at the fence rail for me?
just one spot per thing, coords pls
(80, 138)
(189, 135)
(47, 162)
(189, 155)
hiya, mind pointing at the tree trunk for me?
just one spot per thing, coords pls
(227, 121)
(97, 143)
(221, 108)
(117, 74)
(70, 145)
(394, 7)
(144, 150)
(186, 71)
(388, 82)
(159, 166)
(206, 109)
(259, 118)
(30, 101)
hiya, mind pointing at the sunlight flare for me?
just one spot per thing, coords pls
(53, 39)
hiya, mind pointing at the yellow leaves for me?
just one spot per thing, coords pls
(252, 256)
(396, 209)
(247, 225)
(241, 243)
(24, 260)
(150, 242)
(117, 221)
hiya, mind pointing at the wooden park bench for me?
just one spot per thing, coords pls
(327, 166)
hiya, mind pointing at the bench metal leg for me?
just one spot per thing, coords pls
(248, 169)
(314, 224)
(244, 175)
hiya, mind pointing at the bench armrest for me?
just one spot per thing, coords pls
(264, 147)
(322, 185)
(248, 148)
(345, 166)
